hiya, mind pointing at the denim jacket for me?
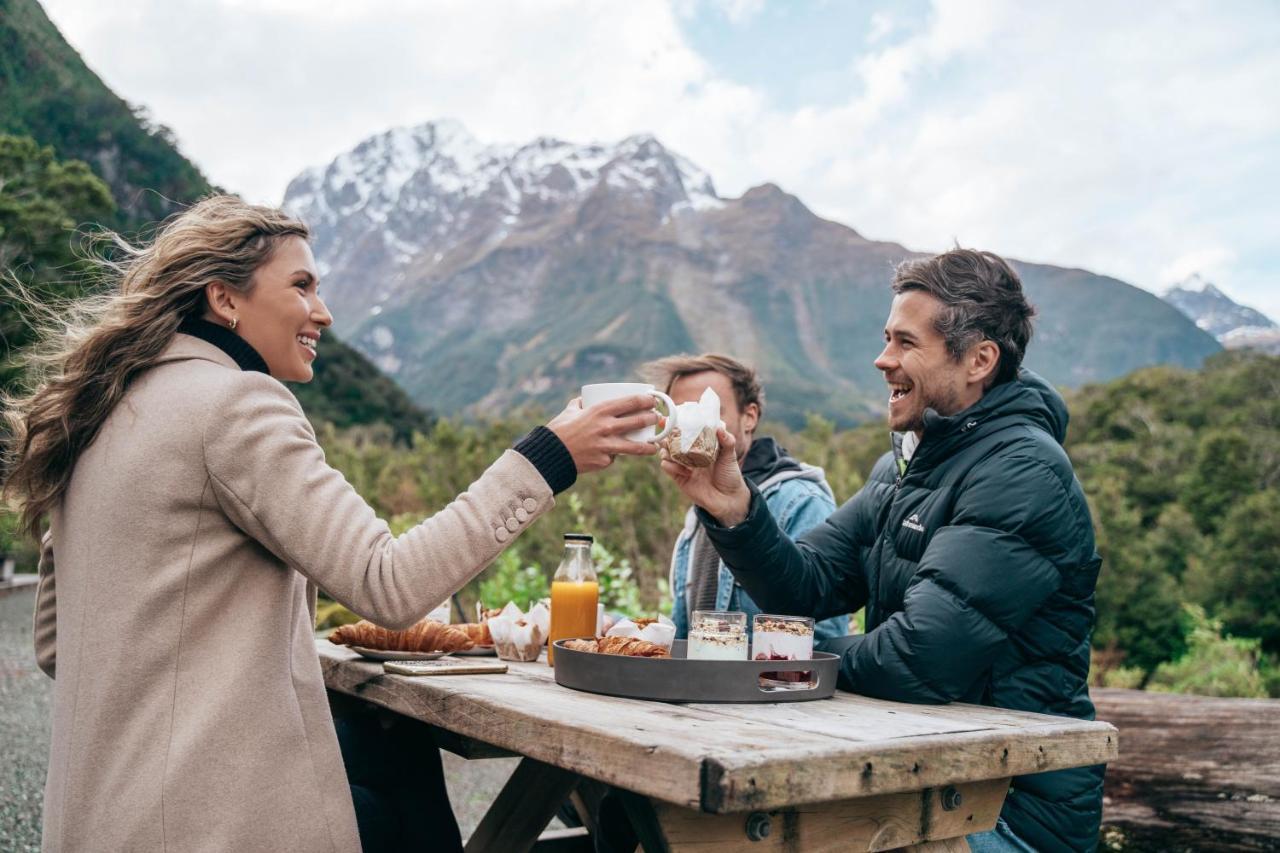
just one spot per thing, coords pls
(799, 500)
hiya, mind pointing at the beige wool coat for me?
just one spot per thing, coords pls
(176, 611)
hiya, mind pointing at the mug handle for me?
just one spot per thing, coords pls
(671, 415)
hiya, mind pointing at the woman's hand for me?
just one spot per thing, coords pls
(596, 435)
(719, 489)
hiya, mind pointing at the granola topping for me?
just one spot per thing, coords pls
(719, 638)
(784, 626)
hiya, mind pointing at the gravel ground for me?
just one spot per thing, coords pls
(26, 699)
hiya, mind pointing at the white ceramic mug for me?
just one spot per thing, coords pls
(601, 391)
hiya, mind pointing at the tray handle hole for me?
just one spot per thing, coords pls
(806, 679)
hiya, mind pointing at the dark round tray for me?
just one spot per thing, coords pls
(679, 679)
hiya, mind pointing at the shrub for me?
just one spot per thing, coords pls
(1129, 677)
(511, 579)
(331, 614)
(1214, 665)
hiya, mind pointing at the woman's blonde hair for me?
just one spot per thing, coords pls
(88, 352)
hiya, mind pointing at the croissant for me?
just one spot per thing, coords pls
(478, 633)
(582, 645)
(631, 647)
(425, 636)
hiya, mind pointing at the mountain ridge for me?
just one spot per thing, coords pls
(1235, 326)
(551, 264)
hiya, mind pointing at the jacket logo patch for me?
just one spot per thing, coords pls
(913, 523)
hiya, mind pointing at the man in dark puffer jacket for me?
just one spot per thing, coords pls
(971, 546)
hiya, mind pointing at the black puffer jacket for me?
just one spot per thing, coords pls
(977, 568)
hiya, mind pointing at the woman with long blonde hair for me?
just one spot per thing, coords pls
(191, 517)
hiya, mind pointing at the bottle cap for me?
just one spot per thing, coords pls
(578, 537)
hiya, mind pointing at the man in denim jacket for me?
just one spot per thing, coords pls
(797, 494)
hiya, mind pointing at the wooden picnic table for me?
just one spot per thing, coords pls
(847, 773)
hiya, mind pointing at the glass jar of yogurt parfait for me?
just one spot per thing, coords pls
(717, 635)
(782, 638)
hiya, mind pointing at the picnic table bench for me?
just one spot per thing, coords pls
(847, 773)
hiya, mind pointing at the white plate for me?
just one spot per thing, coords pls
(383, 654)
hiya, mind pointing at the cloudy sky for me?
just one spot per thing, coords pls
(1139, 140)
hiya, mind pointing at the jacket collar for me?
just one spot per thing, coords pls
(235, 349)
(1027, 399)
(765, 458)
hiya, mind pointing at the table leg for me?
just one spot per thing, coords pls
(935, 820)
(523, 808)
(586, 799)
(644, 820)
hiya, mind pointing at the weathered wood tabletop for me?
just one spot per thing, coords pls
(847, 773)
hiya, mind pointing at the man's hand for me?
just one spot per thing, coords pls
(719, 489)
(596, 435)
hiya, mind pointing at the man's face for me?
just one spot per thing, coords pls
(920, 372)
(742, 425)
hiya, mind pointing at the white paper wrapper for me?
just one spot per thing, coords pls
(693, 418)
(540, 615)
(692, 440)
(516, 636)
(624, 627)
(661, 633)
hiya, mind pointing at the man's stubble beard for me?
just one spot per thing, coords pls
(944, 399)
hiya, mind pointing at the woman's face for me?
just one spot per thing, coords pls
(282, 316)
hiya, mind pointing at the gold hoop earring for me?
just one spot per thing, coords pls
(233, 322)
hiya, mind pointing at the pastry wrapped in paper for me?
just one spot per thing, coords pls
(624, 627)
(660, 633)
(516, 636)
(540, 615)
(692, 440)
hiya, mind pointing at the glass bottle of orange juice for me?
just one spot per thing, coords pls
(574, 593)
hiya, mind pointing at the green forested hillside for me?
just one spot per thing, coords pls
(44, 200)
(41, 201)
(64, 128)
(50, 95)
(347, 391)
(1182, 470)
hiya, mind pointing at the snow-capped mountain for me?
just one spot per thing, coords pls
(1235, 326)
(486, 276)
(1211, 309)
(426, 193)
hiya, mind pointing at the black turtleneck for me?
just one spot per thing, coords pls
(227, 341)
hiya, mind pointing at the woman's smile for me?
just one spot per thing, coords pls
(308, 341)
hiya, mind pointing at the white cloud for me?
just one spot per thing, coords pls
(881, 26)
(741, 11)
(1129, 140)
